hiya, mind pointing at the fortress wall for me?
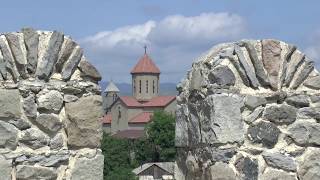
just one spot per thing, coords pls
(50, 108)
(249, 110)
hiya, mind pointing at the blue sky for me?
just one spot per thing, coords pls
(113, 32)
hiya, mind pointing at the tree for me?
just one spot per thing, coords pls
(158, 146)
(117, 161)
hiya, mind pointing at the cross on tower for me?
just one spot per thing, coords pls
(145, 49)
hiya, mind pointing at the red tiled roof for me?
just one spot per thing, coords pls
(129, 134)
(159, 101)
(145, 65)
(143, 117)
(106, 119)
(130, 101)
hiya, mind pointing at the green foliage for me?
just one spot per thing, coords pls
(121, 156)
(117, 160)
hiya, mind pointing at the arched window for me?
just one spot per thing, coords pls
(139, 86)
(119, 112)
(147, 86)
(153, 87)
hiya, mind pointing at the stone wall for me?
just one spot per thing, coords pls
(50, 106)
(249, 110)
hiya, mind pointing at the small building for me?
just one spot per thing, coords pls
(132, 113)
(155, 171)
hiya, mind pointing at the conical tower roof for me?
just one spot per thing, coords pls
(111, 88)
(145, 65)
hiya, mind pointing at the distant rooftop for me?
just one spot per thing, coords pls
(111, 87)
(145, 65)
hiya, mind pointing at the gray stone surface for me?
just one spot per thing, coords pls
(34, 138)
(69, 98)
(222, 76)
(85, 168)
(265, 133)
(5, 168)
(307, 68)
(20, 123)
(84, 128)
(8, 58)
(274, 174)
(8, 136)
(247, 168)
(88, 70)
(313, 82)
(309, 168)
(221, 171)
(72, 63)
(257, 113)
(10, 106)
(27, 172)
(51, 101)
(56, 142)
(55, 160)
(47, 62)
(309, 113)
(296, 60)
(298, 100)
(31, 39)
(30, 106)
(254, 101)
(66, 50)
(249, 71)
(305, 133)
(17, 46)
(49, 122)
(257, 63)
(220, 119)
(280, 114)
(280, 161)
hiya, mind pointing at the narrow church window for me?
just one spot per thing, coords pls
(134, 86)
(139, 86)
(147, 84)
(153, 86)
(119, 115)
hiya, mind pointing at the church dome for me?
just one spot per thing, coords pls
(145, 65)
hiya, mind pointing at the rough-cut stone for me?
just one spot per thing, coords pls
(8, 58)
(302, 75)
(254, 115)
(20, 123)
(309, 169)
(34, 138)
(296, 60)
(305, 133)
(31, 39)
(280, 114)
(30, 106)
(18, 50)
(214, 154)
(56, 142)
(88, 70)
(5, 168)
(257, 63)
(264, 132)
(26, 172)
(254, 101)
(221, 171)
(50, 56)
(66, 50)
(274, 174)
(49, 122)
(72, 63)
(85, 168)
(271, 50)
(221, 119)
(313, 82)
(10, 106)
(55, 160)
(196, 80)
(239, 68)
(69, 98)
(182, 138)
(8, 136)
(222, 76)
(51, 101)
(248, 168)
(298, 100)
(84, 129)
(249, 71)
(280, 161)
(309, 113)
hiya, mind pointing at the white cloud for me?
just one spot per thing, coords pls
(313, 50)
(173, 43)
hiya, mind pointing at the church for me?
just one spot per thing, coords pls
(127, 116)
